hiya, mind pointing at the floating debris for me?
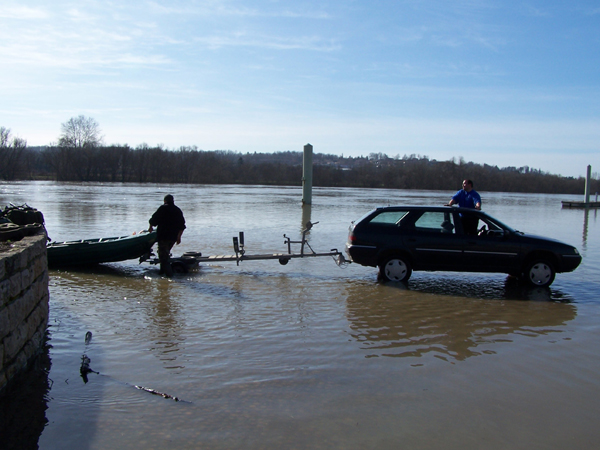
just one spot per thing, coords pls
(154, 392)
(85, 368)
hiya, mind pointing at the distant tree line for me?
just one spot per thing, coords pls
(12, 155)
(81, 156)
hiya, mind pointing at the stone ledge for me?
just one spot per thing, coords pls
(24, 299)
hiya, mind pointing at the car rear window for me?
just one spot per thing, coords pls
(389, 217)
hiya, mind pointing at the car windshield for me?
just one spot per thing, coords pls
(495, 224)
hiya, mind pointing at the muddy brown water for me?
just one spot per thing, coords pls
(309, 355)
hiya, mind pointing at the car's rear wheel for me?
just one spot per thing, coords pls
(539, 273)
(395, 268)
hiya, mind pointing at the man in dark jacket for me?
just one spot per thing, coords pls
(170, 224)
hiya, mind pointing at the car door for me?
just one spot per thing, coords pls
(432, 239)
(493, 249)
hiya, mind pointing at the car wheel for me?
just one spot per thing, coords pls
(539, 273)
(395, 268)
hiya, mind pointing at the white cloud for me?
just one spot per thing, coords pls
(244, 39)
(235, 9)
(463, 78)
(23, 13)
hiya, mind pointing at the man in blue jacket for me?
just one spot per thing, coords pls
(170, 224)
(467, 197)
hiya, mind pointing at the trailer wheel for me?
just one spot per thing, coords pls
(284, 261)
(179, 267)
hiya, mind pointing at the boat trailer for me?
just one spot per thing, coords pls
(191, 260)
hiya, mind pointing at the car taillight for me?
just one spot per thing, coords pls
(351, 237)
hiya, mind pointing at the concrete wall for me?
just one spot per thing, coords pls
(23, 304)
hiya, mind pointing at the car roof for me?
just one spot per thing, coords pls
(435, 208)
(425, 208)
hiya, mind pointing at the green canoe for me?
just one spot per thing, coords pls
(102, 250)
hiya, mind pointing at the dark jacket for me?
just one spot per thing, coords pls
(169, 220)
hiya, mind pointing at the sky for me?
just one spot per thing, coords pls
(506, 83)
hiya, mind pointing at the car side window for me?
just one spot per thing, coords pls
(436, 222)
(389, 217)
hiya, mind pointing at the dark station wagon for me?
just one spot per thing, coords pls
(400, 239)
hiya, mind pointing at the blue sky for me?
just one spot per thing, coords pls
(505, 83)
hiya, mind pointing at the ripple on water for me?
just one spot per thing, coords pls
(307, 355)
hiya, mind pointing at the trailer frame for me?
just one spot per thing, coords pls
(190, 260)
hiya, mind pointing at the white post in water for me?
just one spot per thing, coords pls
(307, 173)
(587, 184)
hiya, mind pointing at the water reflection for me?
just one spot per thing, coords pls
(23, 406)
(402, 322)
(85, 213)
(586, 220)
(151, 303)
(486, 287)
(264, 343)
(165, 327)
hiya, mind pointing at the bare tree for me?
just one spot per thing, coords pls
(80, 132)
(4, 136)
(11, 154)
(80, 139)
(58, 159)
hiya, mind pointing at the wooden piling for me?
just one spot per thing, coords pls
(307, 174)
(586, 203)
(587, 184)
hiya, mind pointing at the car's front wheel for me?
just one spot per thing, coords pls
(395, 268)
(539, 273)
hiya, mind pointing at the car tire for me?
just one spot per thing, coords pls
(395, 268)
(539, 273)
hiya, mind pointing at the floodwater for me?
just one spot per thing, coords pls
(311, 355)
